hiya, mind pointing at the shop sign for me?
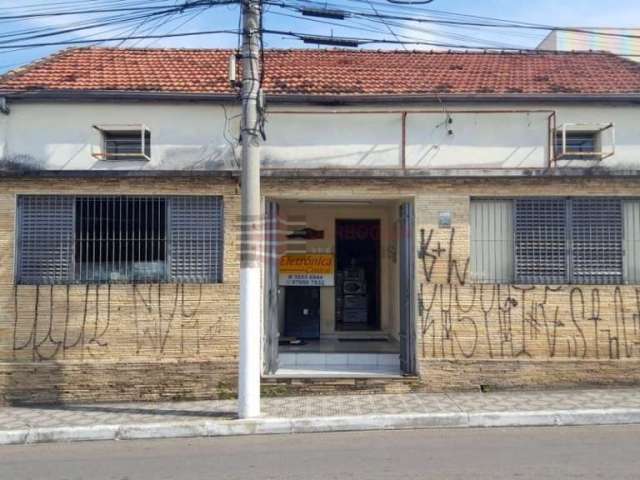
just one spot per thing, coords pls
(307, 270)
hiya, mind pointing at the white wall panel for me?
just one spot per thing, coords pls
(477, 140)
(332, 140)
(188, 136)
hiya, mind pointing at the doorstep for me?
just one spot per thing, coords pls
(337, 371)
(357, 365)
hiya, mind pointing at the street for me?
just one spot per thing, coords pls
(522, 453)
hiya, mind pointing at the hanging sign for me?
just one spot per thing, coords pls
(306, 270)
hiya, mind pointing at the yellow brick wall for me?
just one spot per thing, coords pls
(505, 335)
(118, 341)
(180, 341)
(460, 319)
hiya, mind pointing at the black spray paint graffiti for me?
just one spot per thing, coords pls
(431, 254)
(154, 324)
(514, 321)
(508, 321)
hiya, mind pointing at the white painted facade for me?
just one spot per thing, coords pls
(203, 136)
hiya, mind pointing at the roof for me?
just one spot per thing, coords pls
(330, 72)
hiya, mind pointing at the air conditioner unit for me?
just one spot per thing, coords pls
(584, 141)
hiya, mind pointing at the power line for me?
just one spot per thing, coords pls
(159, 22)
(417, 18)
(485, 24)
(401, 16)
(55, 7)
(484, 43)
(299, 35)
(166, 11)
(76, 12)
(115, 39)
(352, 26)
(359, 41)
(174, 29)
(410, 2)
(387, 24)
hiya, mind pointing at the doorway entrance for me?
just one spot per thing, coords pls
(357, 276)
(339, 285)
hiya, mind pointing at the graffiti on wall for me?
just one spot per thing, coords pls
(61, 321)
(432, 252)
(459, 319)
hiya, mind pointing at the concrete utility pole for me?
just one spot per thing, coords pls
(251, 220)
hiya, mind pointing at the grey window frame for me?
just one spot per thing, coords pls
(204, 236)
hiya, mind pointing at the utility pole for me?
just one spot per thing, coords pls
(251, 218)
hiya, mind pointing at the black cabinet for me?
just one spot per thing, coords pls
(302, 312)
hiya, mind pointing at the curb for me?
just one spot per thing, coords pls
(272, 425)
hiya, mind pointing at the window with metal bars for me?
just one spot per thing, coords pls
(596, 241)
(555, 240)
(119, 239)
(540, 240)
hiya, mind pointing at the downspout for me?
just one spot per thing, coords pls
(403, 146)
(4, 127)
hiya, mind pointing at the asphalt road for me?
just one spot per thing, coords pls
(518, 453)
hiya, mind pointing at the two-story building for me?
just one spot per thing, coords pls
(435, 220)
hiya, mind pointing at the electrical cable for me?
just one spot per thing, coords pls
(112, 39)
(387, 24)
(398, 17)
(110, 22)
(486, 24)
(75, 12)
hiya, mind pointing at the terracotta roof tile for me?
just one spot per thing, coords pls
(331, 72)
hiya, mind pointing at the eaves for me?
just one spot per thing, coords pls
(312, 99)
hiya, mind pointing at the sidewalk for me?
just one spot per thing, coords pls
(319, 414)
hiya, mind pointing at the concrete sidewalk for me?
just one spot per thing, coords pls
(31, 424)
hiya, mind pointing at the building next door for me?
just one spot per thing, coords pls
(357, 276)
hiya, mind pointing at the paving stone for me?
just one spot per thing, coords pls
(14, 418)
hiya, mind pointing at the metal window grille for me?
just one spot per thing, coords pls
(126, 144)
(596, 241)
(569, 241)
(120, 239)
(111, 239)
(45, 239)
(491, 224)
(541, 240)
(196, 239)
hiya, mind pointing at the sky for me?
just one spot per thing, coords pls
(567, 13)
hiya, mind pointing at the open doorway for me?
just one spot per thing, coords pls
(357, 276)
(338, 288)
